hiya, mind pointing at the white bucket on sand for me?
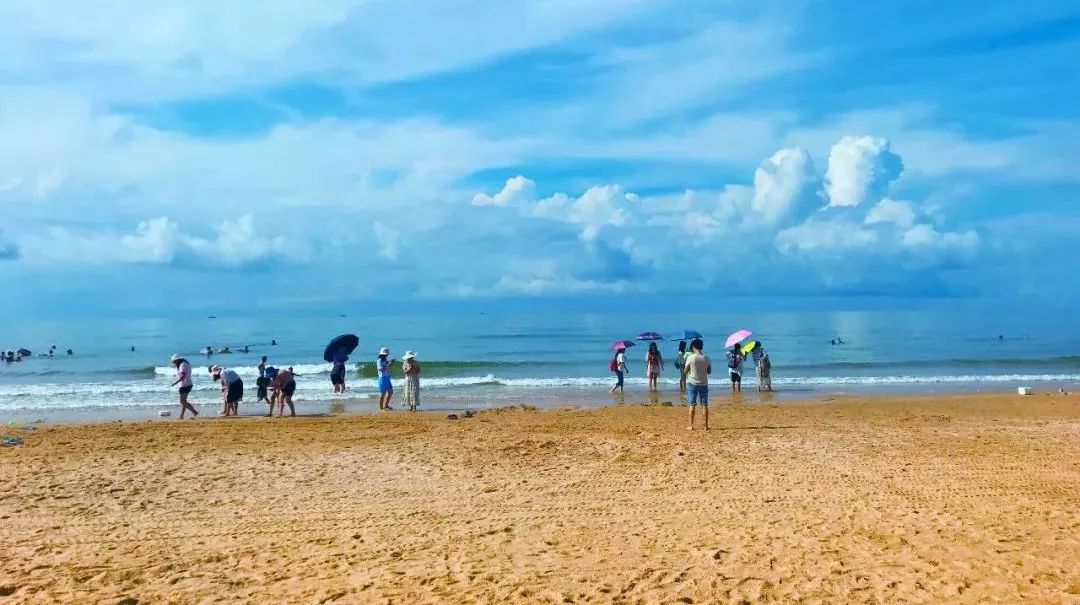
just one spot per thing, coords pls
(1023, 390)
(164, 413)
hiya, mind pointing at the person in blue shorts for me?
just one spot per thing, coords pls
(697, 368)
(383, 366)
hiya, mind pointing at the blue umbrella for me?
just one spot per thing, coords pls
(342, 345)
(690, 334)
(649, 336)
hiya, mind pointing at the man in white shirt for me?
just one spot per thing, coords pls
(697, 368)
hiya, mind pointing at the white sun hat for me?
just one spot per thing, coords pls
(384, 351)
(409, 355)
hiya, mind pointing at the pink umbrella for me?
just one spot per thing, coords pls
(737, 337)
(619, 345)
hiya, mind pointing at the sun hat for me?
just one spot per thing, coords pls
(409, 355)
(175, 358)
(215, 370)
(384, 351)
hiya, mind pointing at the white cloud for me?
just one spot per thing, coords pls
(596, 208)
(389, 241)
(786, 186)
(815, 235)
(161, 241)
(927, 237)
(517, 190)
(860, 170)
(897, 212)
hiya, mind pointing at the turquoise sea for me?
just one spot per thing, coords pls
(478, 359)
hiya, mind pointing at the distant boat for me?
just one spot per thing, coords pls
(211, 317)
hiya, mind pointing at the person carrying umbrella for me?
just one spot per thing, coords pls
(337, 373)
(618, 365)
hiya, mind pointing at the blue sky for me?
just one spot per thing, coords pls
(207, 155)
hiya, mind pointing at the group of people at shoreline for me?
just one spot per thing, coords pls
(277, 386)
(694, 369)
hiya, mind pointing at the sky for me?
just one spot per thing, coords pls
(322, 153)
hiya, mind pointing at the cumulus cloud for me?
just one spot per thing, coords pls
(517, 190)
(161, 241)
(837, 236)
(925, 236)
(860, 170)
(596, 208)
(786, 186)
(897, 212)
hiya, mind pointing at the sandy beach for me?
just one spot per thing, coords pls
(929, 499)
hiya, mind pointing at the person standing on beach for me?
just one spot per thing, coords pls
(262, 383)
(337, 372)
(383, 365)
(619, 365)
(654, 364)
(680, 363)
(762, 367)
(697, 368)
(232, 389)
(183, 378)
(735, 367)
(411, 367)
(284, 385)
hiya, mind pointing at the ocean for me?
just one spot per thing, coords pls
(478, 360)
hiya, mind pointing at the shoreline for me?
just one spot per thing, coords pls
(366, 403)
(961, 499)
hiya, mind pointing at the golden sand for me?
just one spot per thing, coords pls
(958, 499)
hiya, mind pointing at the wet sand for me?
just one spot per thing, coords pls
(931, 499)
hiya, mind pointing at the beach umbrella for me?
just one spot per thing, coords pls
(346, 343)
(737, 337)
(649, 336)
(619, 345)
(690, 335)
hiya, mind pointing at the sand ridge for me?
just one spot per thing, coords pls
(930, 499)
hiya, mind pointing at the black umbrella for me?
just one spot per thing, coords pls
(346, 343)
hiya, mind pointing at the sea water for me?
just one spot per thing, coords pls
(489, 358)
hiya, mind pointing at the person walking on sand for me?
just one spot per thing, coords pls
(654, 364)
(697, 368)
(232, 389)
(383, 366)
(762, 367)
(411, 367)
(337, 372)
(183, 378)
(618, 365)
(680, 364)
(735, 367)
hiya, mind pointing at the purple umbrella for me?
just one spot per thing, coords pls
(649, 336)
(737, 337)
(619, 345)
